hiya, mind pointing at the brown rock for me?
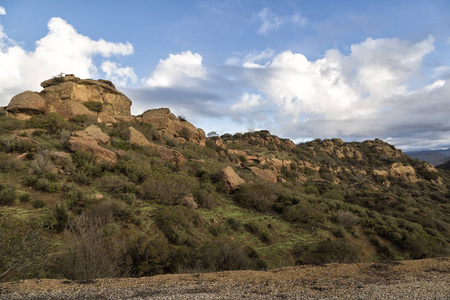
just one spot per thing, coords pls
(88, 139)
(268, 175)
(231, 180)
(137, 138)
(71, 108)
(26, 104)
(189, 202)
(168, 154)
(94, 132)
(162, 119)
(61, 89)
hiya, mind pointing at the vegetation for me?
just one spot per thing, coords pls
(78, 217)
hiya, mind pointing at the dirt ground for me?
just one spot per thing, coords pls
(415, 279)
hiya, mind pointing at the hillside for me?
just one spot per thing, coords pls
(96, 192)
(434, 157)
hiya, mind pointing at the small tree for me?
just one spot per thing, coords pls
(87, 255)
(23, 245)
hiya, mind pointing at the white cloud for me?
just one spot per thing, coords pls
(182, 70)
(375, 90)
(270, 21)
(247, 102)
(62, 50)
(117, 74)
(2, 11)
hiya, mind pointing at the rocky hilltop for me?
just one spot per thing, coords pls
(98, 192)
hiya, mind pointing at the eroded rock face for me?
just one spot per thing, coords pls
(168, 154)
(71, 108)
(137, 138)
(27, 104)
(89, 139)
(230, 179)
(163, 120)
(268, 175)
(60, 89)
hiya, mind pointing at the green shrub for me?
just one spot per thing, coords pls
(117, 184)
(169, 189)
(52, 122)
(10, 164)
(24, 198)
(305, 212)
(327, 251)
(260, 196)
(38, 203)
(224, 254)
(46, 185)
(7, 195)
(176, 223)
(94, 105)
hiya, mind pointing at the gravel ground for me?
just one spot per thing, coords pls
(418, 279)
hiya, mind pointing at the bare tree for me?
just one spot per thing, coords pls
(23, 244)
(87, 254)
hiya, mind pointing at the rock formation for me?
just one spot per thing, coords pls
(27, 104)
(230, 179)
(88, 140)
(162, 119)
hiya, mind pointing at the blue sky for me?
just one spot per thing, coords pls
(301, 69)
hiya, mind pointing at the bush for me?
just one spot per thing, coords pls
(7, 195)
(168, 190)
(94, 105)
(177, 223)
(304, 212)
(224, 254)
(24, 198)
(260, 196)
(38, 204)
(45, 185)
(347, 219)
(327, 251)
(117, 184)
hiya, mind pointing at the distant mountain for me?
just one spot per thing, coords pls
(434, 157)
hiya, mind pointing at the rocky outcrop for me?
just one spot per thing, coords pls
(163, 120)
(398, 170)
(265, 174)
(168, 154)
(60, 89)
(137, 138)
(27, 104)
(71, 108)
(230, 179)
(88, 140)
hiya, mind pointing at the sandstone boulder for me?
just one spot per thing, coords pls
(27, 104)
(137, 138)
(88, 139)
(60, 89)
(162, 119)
(189, 202)
(264, 174)
(230, 179)
(168, 154)
(71, 108)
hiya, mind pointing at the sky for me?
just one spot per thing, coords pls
(353, 70)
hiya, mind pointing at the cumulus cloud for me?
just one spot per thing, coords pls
(182, 70)
(119, 75)
(271, 21)
(247, 102)
(2, 11)
(62, 50)
(375, 90)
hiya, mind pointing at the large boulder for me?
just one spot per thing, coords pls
(26, 104)
(71, 108)
(70, 88)
(88, 140)
(163, 120)
(230, 179)
(168, 154)
(264, 174)
(137, 138)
